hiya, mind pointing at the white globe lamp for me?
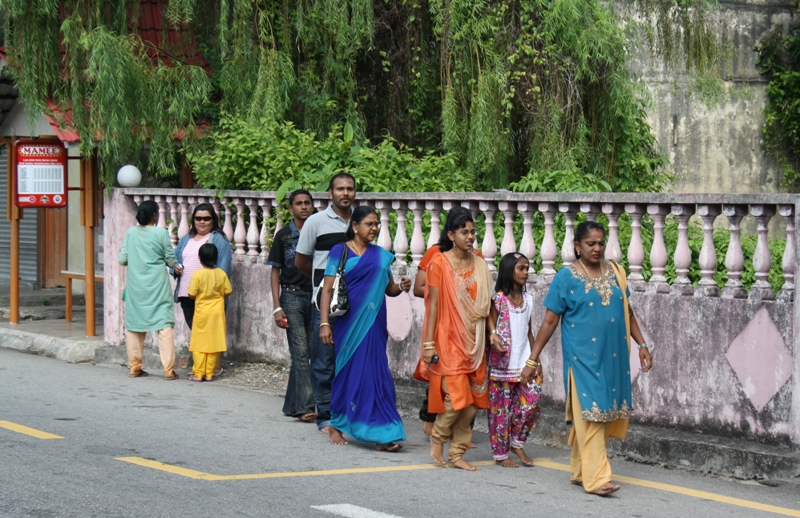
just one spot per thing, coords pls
(129, 176)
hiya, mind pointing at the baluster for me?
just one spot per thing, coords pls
(172, 223)
(137, 199)
(527, 246)
(509, 210)
(787, 290)
(400, 238)
(417, 207)
(658, 253)
(613, 250)
(590, 210)
(252, 230)
(489, 245)
(320, 204)
(384, 237)
(240, 234)
(162, 218)
(568, 246)
(435, 209)
(734, 258)
(227, 228)
(264, 233)
(278, 216)
(707, 260)
(635, 249)
(761, 258)
(183, 227)
(549, 248)
(683, 256)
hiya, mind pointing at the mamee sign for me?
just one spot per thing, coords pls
(41, 173)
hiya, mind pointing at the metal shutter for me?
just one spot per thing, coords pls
(28, 235)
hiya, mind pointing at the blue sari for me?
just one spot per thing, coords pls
(363, 399)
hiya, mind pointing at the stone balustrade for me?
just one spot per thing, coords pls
(242, 216)
(726, 359)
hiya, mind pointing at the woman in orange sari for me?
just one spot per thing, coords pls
(460, 289)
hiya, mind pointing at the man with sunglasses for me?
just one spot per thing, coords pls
(320, 233)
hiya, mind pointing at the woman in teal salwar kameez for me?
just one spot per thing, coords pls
(147, 252)
(590, 298)
(363, 400)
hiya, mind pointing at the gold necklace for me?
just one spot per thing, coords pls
(587, 270)
(459, 268)
(354, 247)
(600, 284)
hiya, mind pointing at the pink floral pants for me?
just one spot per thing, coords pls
(513, 413)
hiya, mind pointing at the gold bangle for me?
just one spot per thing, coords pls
(425, 344)
(324, 324)
(532, 363)
(429, 348)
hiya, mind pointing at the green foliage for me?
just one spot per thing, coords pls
(779, 60)
(508, 91)
(267, 155)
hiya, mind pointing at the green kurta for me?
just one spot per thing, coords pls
(147, 252)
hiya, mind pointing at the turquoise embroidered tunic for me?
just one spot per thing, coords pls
(593, 342)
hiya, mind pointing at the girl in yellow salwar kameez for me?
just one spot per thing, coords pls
(590, 298)
(209, 287)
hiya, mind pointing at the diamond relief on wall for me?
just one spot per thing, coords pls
(760, 359)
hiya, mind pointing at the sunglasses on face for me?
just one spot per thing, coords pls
(202, 218)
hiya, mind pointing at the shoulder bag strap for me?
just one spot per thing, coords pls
(342, 260)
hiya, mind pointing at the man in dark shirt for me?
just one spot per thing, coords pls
(320, 233)
(291, 298)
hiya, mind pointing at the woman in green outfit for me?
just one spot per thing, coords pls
(147, 252)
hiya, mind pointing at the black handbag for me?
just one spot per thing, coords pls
(340, 303)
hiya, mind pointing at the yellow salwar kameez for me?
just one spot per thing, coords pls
(209, 287)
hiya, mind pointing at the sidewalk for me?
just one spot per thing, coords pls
(721, 456)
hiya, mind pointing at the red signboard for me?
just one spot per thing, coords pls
(41, 175)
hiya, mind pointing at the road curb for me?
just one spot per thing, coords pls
(698, 452)
(66, 349)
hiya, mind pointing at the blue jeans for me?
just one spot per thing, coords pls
(296, 304)
(323, 368)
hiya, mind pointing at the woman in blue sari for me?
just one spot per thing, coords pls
(363, 394)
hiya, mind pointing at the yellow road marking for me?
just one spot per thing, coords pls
(33, 432)
(543, 463)
(208, 476)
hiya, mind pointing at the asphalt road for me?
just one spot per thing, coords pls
(148, 447)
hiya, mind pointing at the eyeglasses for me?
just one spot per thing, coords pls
(467, 233)
(202, 218)
(371, 224)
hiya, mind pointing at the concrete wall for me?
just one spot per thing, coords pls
(720, 365)
(719, 148)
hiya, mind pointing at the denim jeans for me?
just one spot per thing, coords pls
(296, 304)
(323, 368)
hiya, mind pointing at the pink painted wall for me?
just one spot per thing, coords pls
(722, 366)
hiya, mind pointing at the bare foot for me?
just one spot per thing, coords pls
(462, 464)
(472, 445)
(507, 463)
(390, 447)
(437, 453)
(427, 428)
(523, 457)
(607, 488)
(335, 436)
(575, 482)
